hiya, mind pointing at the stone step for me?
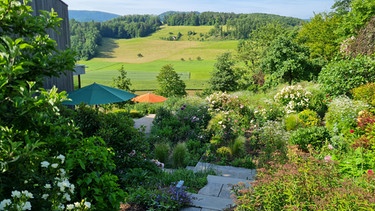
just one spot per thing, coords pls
(226, 171)
(210, 202)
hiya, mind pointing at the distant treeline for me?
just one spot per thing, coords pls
(237, 26)
(86, 36)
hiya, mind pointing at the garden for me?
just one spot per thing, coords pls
(308, 131)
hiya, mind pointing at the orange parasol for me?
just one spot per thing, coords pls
(149, 98)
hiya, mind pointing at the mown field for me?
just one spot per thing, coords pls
(192, 56)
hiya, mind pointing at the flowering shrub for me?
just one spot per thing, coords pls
(305, 183)
(294, 98)
(222, 101)
(56, 194)
(342, 114)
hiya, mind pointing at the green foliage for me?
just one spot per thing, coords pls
(161, 152)
(359, 13)
(365, 93)
(170, 83)
(292, 122)
(122, 81)
(356, 162)
(269, 143)
(92, 164)
(287, 61)
(237, 148)
(224, 77)
(183, 123)
(304, 183)
(85, 38)
(340, 76)
(309, 118)
(244, 162)
(180, 155)
(318, 37)
(342, 114)
(314, 135)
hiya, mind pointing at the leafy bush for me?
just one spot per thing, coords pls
(314, 136)
(180, 155)
(340, 76)
(92, 164)
(365, 93)
(245, 162)
(292, 122)
(342, 114)
(304, 183)
(237, 148)
(269, 144)
(309, 118)
(161, 152)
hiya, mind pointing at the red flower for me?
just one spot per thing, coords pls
(370, 172)
(351, 131)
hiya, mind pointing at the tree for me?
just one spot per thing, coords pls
(32, 127)
(286, 61)
(318, 35)
(170, 84)
(224, 77)
(122, 81)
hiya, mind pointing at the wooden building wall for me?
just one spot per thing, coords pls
(62, 37)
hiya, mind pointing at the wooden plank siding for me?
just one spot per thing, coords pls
(62, 37)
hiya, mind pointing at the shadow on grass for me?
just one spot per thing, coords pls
(107, 48)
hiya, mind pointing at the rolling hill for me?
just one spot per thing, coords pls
(87, 16)
(192, 58)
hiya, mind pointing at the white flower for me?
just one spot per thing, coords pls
(61, 206)
(69, 206)
(27, 206)
(47, 186)
(87, 204)
(55, 165)
(16, 193)
(45, 196)
(61, 157)
(77, 204)
(45, 164)
(62, 172)
(27, 194)
(4, 203)
(72, 187)
(66, 196)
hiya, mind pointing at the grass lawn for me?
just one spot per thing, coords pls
(142, 71)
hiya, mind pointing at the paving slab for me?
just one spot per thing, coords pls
(211, 202)
(145, 121)
(227, 171)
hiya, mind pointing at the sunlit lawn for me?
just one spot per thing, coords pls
(193, 58)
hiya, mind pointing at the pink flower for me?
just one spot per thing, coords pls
(328, 158)
(330, 147)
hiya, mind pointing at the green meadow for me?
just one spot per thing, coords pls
(193, 57)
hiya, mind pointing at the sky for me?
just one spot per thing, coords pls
(304, 9)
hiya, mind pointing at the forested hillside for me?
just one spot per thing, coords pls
(87, 16)
(86, 36)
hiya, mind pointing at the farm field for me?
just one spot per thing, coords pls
(190, 57)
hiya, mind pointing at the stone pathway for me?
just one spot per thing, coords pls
(216, 195)
(145, 121)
